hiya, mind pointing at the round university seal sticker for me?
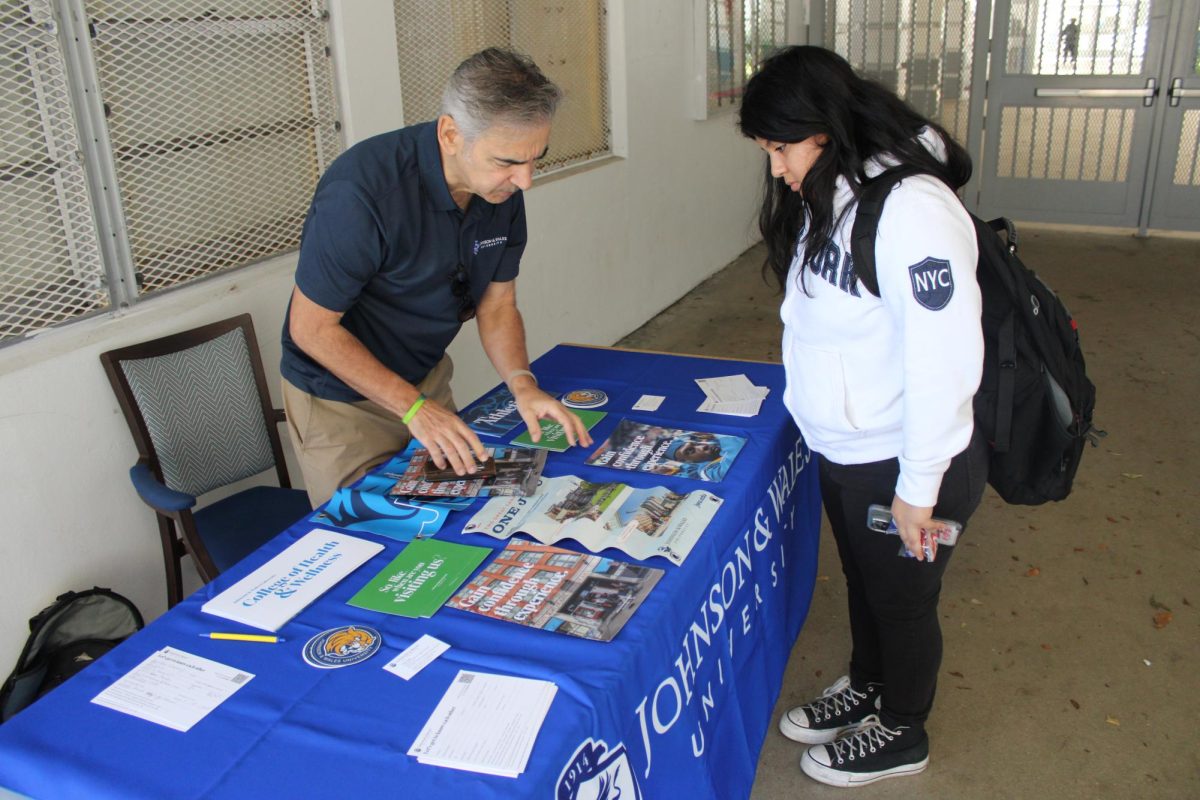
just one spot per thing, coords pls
(585, 398)
(341, 647)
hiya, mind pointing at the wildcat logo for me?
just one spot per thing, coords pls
(340, 647)
(597, 773)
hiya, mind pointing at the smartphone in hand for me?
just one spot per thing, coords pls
(942, 531)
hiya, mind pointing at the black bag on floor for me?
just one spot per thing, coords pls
(65, 637)
(1035, 401)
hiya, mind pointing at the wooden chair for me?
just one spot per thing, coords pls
(201, 417)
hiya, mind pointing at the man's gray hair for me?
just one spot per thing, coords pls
(497, 86)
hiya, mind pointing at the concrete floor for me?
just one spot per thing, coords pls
(1057, 679)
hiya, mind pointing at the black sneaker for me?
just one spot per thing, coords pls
(836, 711)
(869, 753)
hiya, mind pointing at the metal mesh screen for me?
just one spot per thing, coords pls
(920, 49)
(741, 34)
(221, 115)
(1187, 158)
(566, 40)
(1077, 37)
(52, 269)
(1074, 144)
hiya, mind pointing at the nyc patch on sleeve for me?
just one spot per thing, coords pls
(932, 283)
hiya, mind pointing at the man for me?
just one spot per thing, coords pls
(409, 235)
(1070, 42)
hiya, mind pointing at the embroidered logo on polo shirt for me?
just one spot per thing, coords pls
(486, 243)
(932, 283)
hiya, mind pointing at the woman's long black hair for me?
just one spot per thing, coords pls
(804, 91)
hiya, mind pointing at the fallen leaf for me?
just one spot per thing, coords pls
(1080, 549)
(1102, 546)
(956, 674)
(1113, 721)
(1133, 475)
(1155, 604)
(1046, 647)
(1033, 572)
(1162, 619)
(1075, 704)
(818, 673)
(975, 602)
(1111, 519)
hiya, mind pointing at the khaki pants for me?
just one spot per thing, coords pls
(337, 443)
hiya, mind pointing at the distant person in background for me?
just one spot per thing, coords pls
(882, 387)
(409, 235)
(1070, 42)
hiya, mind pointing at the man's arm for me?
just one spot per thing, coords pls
(502, 332)
(319, 333)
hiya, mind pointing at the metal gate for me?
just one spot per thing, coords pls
(1092, 106)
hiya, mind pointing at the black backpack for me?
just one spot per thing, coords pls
(65, 637)
(1035, 401)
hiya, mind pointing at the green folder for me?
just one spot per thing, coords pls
(419, 581)
(553, 436)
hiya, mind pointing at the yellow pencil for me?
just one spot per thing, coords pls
(244, 637)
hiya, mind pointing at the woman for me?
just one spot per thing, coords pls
(881, 386)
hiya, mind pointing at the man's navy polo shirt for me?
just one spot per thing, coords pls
(381, 242)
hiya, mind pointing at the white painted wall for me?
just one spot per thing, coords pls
(609, 247)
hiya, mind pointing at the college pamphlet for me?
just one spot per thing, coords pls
(420, 580)
(281, 588)
(645, 447)
(558, 590)
(641, 522)
(508, 472)
(485, 723)
(553, 436)
(494, 414)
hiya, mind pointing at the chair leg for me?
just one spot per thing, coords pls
(172, 552)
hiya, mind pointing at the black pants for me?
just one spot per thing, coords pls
(893, 600)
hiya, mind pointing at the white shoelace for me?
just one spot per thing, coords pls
(869, 737)
(836, 701)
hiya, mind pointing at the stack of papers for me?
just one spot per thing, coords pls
(173, 688)
(485, 723)
(732, 394)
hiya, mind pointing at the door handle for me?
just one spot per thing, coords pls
(1177, 91)
(1148, 94)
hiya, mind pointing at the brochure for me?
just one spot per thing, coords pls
(553, 436)
(495, 414)
(645, 447)
(641, 522)
(558, 590)
(281, 588)
(420, 580)
(514, 472)
(367, 507)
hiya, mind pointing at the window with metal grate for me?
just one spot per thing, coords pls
(740, 34)
(203, 126)
(566, 40)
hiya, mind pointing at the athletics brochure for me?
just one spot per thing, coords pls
(494, 414)
(558, 590)
(646, 447)
(640, 522)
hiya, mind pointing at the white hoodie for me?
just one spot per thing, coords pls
(872, 378)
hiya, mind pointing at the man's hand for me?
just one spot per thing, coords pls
(534, 405)
(447, 438)
(910, 520)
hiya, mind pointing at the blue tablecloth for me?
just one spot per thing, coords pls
(676, 706)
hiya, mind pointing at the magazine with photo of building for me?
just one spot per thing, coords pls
(645, 447)
(558, 590)
(641, 522)
(508, 472)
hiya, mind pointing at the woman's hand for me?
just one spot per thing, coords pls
(910, 521)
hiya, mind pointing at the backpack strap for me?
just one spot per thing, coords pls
(866, 222)
(1006, 376)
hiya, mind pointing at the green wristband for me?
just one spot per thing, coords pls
(413, 409)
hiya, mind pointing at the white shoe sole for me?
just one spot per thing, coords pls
(836, 777)
(809, 735)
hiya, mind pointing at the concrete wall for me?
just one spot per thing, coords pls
(610, 246)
